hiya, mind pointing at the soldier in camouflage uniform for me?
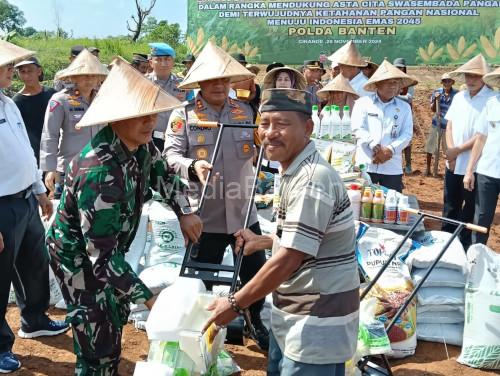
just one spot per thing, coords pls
(163, 61)
(189, 146)
(98, 215)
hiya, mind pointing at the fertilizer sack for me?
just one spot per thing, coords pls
(450, 334)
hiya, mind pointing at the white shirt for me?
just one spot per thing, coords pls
(464, 111)
(357, 84)
(489, 125)
(388, 124)
(18, 169)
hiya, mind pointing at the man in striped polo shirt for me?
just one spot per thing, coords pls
(313, 272)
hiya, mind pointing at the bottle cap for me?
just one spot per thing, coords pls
(315, 108)
(362, 167)
(346, 108)
(355, 187)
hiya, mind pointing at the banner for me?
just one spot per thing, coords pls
(422, 31)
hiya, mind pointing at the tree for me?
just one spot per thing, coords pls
(142, 13)
(155, 31)
(11, 18)
(28, 31)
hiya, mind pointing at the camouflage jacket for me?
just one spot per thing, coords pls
(99, 211)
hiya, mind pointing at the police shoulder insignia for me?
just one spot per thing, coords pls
(53, 104)
(177, 124)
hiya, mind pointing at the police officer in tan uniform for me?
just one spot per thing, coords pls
(313, 71)
(189, 146)
(61, 141)
(163, 61)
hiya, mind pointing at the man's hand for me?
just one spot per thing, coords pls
(150, 303)
(382, 155)
(248, 240)
(2, 246)
(51, 178)
(191, 227)
(469, 181)
(202, 168)
(452, 153)
(46, 206)
(222, 314)
(451, 165)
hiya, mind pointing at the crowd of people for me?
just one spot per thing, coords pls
(106, 136)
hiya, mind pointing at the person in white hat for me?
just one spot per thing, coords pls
(61, 141)
(444, 96)
(23, 260)
(107, 184)
(383, 125)
(189, 146)
(462, 116)
(350, 63)
(486, 156)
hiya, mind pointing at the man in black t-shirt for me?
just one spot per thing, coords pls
(32, 100)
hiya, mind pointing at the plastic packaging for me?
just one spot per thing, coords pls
(316, 120)
(364, 174)
(325, 123)
(378, 207)
(403, 214)
(336, 124)
(391, 208)
(366, 205)
(346, 125)
(355, 197)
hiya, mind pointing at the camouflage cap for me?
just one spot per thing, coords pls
(286, 100)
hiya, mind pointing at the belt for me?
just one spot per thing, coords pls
(25, 193)
(159, 135)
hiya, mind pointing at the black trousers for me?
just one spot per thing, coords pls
(458, 204)
(487, 190)
(211, 250)
(24, 262)
(389, 181)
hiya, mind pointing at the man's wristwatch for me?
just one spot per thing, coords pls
(192, 172)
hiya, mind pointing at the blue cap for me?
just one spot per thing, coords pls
(161, 49)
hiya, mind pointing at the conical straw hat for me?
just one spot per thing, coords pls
(339, 83)
(369, 61)
(270, 78)
(476, 65)
(212, 63)
(387, 71)
(126, 94)
(492, 78)
(10, 53)
(84, 64)
(348, 54)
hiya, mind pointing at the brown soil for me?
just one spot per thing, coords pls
(54, 356)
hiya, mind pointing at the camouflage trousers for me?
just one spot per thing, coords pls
(97, 332)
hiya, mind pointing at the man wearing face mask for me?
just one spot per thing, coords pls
(162, 61)
(383, 125)
(61, 141)
(189, 146)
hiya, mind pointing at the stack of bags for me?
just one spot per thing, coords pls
(441, 299)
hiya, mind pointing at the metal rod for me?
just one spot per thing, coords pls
(408, 300)
(440, 136)
(391, 257)
(239, 257)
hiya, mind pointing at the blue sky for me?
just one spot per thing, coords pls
(96, 18)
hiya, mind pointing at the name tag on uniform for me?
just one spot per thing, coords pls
(2, 121)
(372, 114)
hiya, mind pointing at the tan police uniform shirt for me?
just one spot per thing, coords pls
(170, 86)
(227, 200)
(61, 141)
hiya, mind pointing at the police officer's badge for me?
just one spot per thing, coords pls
(202, 153)
(201, 138)
(177, 124)
(246, 148)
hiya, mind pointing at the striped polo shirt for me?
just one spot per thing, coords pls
(315, 313)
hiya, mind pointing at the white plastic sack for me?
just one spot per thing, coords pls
(440, 317)
(481, 347)
(138, 245)
(439, 308)
(159, 276)
(432, 243)
(374, 248)
(55, 290)
(168, 241)
(440, 277)
(440, 295)
(451, 334)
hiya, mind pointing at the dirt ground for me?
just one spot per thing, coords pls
(54, 356)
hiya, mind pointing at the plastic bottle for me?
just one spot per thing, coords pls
(378, 207)
(336, 123)
(403, 214)
(364, 174)
(325, 123)
(391, 208)
(316, 120)
(355, 197)
(346, 125)
(366, 205)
